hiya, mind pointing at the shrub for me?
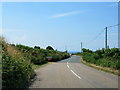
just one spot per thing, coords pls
(16, 73)
(37, 47)
(38, 56)
(49, 48)
(104, 57)
(18, 60)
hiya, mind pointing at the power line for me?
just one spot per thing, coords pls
(96, 37)
(101, 33)
(106, 29)
(113, 26)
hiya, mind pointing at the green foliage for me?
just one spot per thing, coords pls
(38, 56)
(49, 48)
(79, 53)
(86, 50)
(37, 47)
(17, 61)
(15, 73)
(35, 55)
(105, 57)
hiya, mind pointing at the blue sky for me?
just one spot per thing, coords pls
(60, 24)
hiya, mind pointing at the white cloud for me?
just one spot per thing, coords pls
(66, 14)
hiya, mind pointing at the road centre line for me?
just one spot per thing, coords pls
(73, 71)
(67, 63)
(75, 74)
(68, 66)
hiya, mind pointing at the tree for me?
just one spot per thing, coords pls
(66, 51)
(49, 48)
(37, 47)
(12, 44)
(86, 50)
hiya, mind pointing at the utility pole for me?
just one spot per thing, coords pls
(106, 38)
(81, 46)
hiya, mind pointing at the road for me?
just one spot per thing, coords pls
(71, 73)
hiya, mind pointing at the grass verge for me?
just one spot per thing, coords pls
(39, 66)
(106, 69)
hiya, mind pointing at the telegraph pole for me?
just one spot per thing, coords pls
(106, 38)
(81, 46)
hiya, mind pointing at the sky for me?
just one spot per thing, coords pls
(62, 25)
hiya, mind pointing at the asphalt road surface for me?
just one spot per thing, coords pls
(71, 73)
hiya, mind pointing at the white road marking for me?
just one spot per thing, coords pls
(68, 66)
(73, 71)
(75, 74)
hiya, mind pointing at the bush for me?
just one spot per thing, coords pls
(38, 56)
(17, 61)
(15, 73)
(49, 48)
(37, 47)
(105, 57)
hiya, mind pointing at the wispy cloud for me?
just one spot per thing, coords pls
(66, 14)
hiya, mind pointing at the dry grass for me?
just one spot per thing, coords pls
(13, 52)
(106, 69)
(2, 38)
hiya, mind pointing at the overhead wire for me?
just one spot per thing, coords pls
(95, 37)
(100, 34)
(113, 25)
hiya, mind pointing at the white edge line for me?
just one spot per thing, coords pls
(75, 74)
